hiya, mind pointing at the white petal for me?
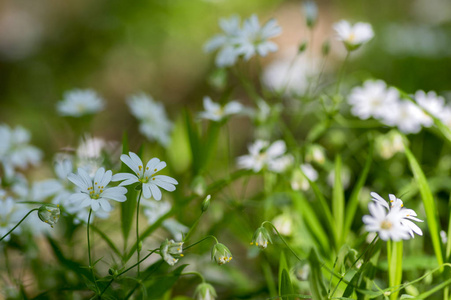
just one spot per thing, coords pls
(156, 193)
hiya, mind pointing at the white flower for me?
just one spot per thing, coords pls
(10, 214)
(176, 228)
(353, 35)
(386, 223)
(283, 224)
(345, 177)
(154, 210)
(262, 155)
(216, 112)
(77, 103)
(373, 99)
(432, 103)
(95, 192)
(15, 152)
(150, 182)
(407, 116)
(405, 215)
(171, 251)
(281, 164)
(205, 291)
(153, 121)
(254, 38)
(228, 53)
(315, 153)
(389, 144)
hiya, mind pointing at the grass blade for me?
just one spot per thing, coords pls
(338, 203)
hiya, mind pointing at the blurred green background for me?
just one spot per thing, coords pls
(119, 48)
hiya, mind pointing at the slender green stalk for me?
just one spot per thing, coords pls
(138, 242)
(283, 240)
(91, 267)
(139, 282)
(125, 271)
(205, 238)
(195, 273)
(395, 267)
(1, 239)
(342, 71)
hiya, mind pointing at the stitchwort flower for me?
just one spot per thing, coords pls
(215, 112)
(95, 192)
(353, 36)
(205, 291)
(146, 176)
(262, 154)
(261, 238)
(221, 254)
(49, 213)
(171, 251)
(77, 103)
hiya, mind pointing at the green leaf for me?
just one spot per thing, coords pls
(195, 144)
(429, 204)
(178, 152)
(338, 203)
(317, 286)
(353, 202)
(282, 266)
(286, 287)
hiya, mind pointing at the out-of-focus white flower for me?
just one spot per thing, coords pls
(315, 153)
(15, 152)
(153, 121)
(407, 116)
(226, 43)
(443, 236)
(283, 224)
(281, 164)
(146, 176)
(171, 251)
(353, 36)
(373, 99)
(288, 76)
(311, 12)
(389, 144)
(216, 112)
(300, 178)
(261, 155)
(176, 228)
(10, 214)
(94, 192)
(345, 177)
(254, 39)
(154, 210)
(77, 103)
(432, 103)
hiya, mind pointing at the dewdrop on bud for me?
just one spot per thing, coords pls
(49, 213)
(205, 291)
(171, 251)
(206, 203)
(261, 238)
(221, 254)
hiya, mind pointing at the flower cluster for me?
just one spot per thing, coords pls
(153, 121)
(247, 41)
(15, 152)
(77, 103)
(375, 99)
(391, 221)
(263, 155)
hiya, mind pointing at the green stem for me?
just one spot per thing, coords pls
(207, 237)
(125, 271)
(395, 267)
(192, 227)
(138, 249)
(195, 273)
(342, 71)
(136, 286)
(283, 240)
(89, 252)
(1, 239)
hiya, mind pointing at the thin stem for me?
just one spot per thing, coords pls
(125, 271)
(195, 273)
(1, 239)
(89, 252)
(136, 286)
(355, 262)
(207, 237)
(283, 240)
(192, 227)
(342, 71)
(138, 249)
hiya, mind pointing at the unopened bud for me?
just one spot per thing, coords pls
(206, 203)
(325, 49)
(205, 291)
(49, 213)
(302, 47)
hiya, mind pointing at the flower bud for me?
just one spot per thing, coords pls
(261, 238)
(325, 49)
(49, 213)
(221, 254)
(302, 47)
(206, 203)
(310, 12)
(171, 251)
(205, 291)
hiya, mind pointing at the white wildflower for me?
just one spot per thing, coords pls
(77, 103)
(432, 103)
(171, 251)
(95, 192)
(153, 121)
(215, 112)
(353, 36)
(146, 176)
(261, 155)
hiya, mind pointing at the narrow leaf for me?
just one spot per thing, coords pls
(338, 203)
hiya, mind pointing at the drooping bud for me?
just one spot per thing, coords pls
(205, 291)
(261, 238)
(171, 251)
(49, 213)
(221, 254)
